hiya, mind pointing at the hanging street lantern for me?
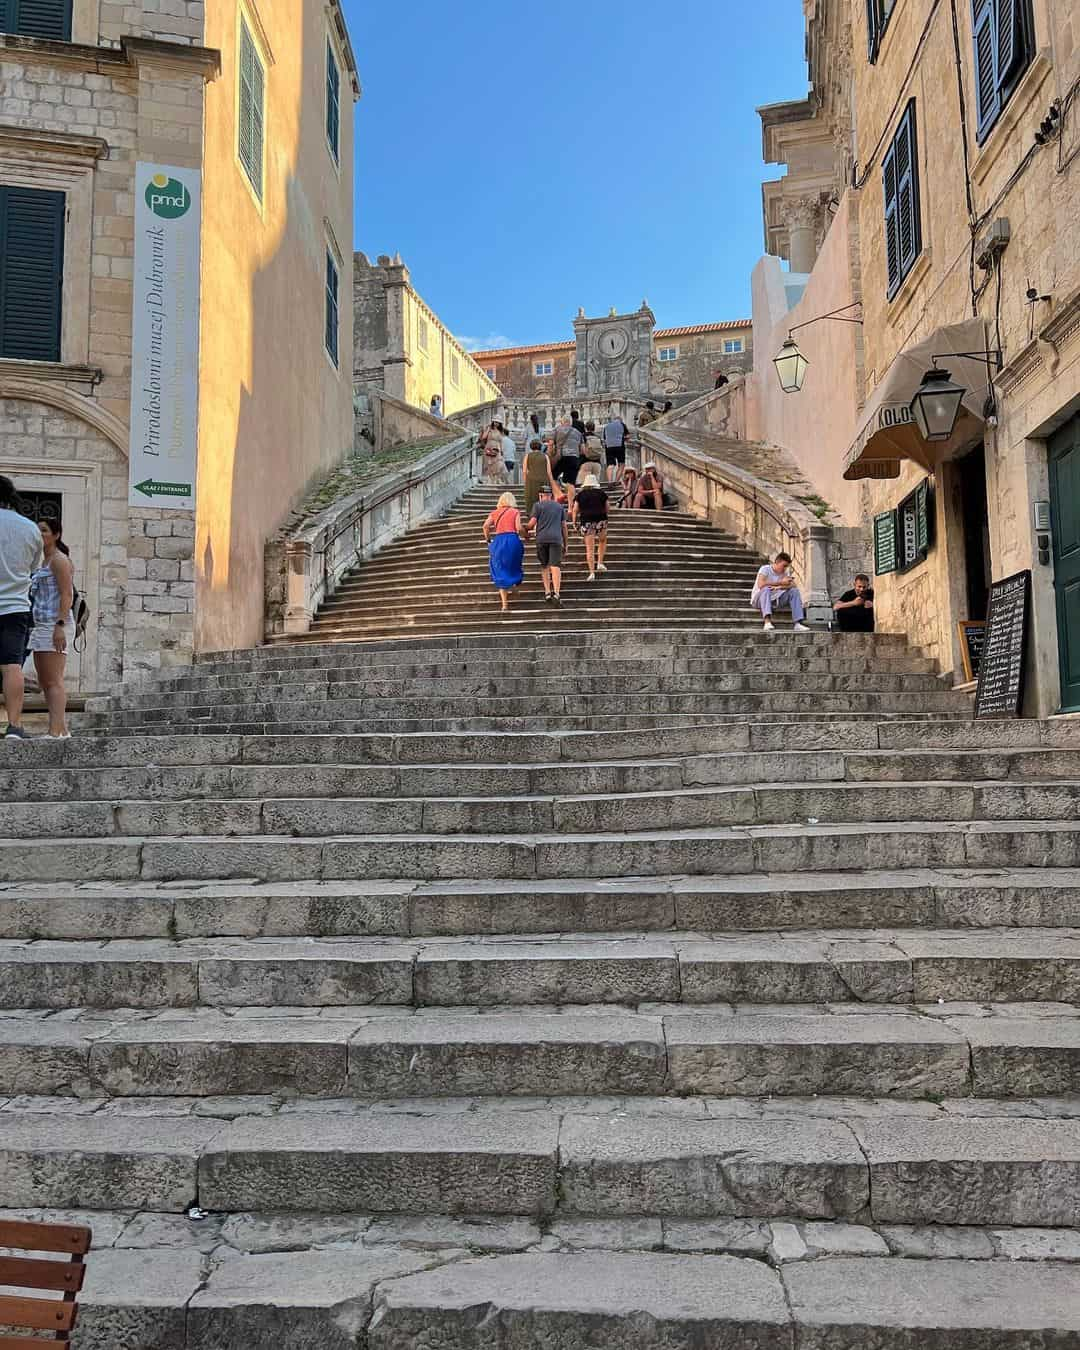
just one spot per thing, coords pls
(791, 366)
(936, 405)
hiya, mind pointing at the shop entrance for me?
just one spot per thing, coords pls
(1064, 465)
(975, 524)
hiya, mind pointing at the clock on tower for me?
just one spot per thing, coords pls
(613, 343)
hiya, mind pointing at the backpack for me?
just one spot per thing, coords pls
(80, 612)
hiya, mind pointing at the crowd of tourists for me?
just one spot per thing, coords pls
(562, 477)
(37, 612)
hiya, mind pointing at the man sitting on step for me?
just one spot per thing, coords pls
(774, 588)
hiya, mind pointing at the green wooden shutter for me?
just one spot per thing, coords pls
(988, 101)
(885, 543)
(333, 100)
(31, 273)
(892, 223)
(909, 224)
(332, 323)
(924, 525)
(37, 18)
(252, 95)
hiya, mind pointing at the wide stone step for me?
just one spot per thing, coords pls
(1030, 778)
(537, 684)
(1036, 897)
(801, 967)
(914, 1163)
(342, 1052)
(677, 807)
(697, 852)
(407, 706)
(638, 1301)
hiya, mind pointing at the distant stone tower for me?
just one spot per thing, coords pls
(614, 354)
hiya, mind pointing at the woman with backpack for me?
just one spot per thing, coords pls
(52, 632)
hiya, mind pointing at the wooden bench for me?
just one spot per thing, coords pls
(22, 1311)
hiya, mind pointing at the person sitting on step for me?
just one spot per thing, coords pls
(650, 489)
(774, 588)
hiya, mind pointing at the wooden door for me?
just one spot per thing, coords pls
(1064, 453)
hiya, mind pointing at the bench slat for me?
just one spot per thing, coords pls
(39, 1314)
(45, 1237)
(21, 1272)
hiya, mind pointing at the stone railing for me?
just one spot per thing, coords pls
(759, 514)
(721, 412)
(514, 413)
(315, 557)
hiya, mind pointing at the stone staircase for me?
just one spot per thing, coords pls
(552, 981)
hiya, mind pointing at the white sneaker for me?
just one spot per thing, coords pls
(50, 737)
(591, 576)
(800, 628)
(601, 568)
(769, 628)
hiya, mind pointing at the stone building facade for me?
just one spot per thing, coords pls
(93, 94)
(402, 347)
(934, 181)
(626, 353)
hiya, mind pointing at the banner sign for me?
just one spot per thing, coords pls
(165, 338)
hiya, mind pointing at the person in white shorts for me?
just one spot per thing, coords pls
(52, 593)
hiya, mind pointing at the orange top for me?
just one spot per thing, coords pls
(506, 519)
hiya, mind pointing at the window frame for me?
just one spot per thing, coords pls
(455, 370)
(422, 334)
(878, 16)
(986, 17)
(246, 28)
(667, 355)
(8, 15)
(543, 369)
(489, 371)
(734, 346)
(332, 308)
(905, 138)
(333, 101)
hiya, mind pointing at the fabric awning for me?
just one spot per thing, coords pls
(888, 434)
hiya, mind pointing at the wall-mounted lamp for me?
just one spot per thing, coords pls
(936, 404)
(791, 365)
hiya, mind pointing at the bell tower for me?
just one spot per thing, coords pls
(614, 353)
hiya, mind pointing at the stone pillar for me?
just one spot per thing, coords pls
(802, 216)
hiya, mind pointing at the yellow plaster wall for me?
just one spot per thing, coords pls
(274, 412)
(430, 371)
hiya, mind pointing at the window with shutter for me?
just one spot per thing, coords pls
(1004, 41)
(31, 273)
(903, 214)
(251, 109)
(878, 14)
(37, 18)
(333, 100)
(331, 307)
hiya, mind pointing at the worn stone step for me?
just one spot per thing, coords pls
(348, 1052)
(865, 966)
(912, 1164)
(631, 687)
(520, 814)
(698, 852)
(1037, 897)
(1031, 773)
(639, 1301)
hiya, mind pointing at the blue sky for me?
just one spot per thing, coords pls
(530, 156)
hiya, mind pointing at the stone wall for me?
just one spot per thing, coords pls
(701, 357)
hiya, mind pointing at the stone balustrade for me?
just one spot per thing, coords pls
(320, 552)
(759, 514)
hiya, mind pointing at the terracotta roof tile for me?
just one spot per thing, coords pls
(691, 330)
(695, 328)
(524, 351)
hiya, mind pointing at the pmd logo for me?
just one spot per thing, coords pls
(167, 197)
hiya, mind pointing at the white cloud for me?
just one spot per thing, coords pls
(487, 344)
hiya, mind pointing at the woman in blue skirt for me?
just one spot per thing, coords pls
(506, 550)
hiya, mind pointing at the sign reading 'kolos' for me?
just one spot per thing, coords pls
(165, 338)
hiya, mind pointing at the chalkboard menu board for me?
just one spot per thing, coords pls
(972, 639)
(885, 543)
(1001, 670)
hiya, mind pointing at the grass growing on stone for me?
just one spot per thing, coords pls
(357, 472)
(818, 505)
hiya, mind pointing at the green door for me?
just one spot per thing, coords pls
(1065, 506)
